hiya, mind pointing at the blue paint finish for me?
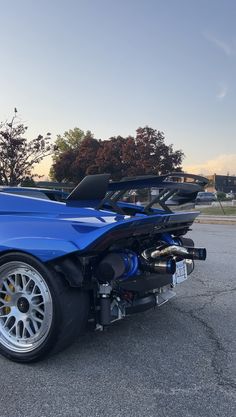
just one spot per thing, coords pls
(48, 229)
(168, 239)
(131, 262)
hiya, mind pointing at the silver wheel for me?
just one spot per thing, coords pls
(25, 307)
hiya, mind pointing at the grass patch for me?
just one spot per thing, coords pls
(228, 211)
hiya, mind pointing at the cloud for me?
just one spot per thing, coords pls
(228, 49)
(222, 164)
(222, 91)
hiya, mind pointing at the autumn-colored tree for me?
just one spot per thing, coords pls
(18, 156)
(67, 149)
(129, 158)
(86, 158)
(153, 156)
(147, 153)
(62, 168)
(109, 157)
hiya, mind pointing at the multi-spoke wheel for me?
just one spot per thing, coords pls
(38, 310)
(25, 307)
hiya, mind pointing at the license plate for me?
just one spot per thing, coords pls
(181, 273)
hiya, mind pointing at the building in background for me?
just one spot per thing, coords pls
(222, 183)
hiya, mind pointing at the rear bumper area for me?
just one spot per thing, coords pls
(134, 227)
(144, 283)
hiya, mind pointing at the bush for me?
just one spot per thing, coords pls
(221, 196)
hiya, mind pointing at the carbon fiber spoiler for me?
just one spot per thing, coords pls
(145, 181)
(175, 188)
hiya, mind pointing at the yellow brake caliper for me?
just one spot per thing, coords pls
(7, 297)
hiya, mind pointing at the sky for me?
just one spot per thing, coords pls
(111, 66)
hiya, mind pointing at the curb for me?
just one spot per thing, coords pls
(204, 219)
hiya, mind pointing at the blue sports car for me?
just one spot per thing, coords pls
(93, 256)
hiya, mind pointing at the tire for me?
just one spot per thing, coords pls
(39, 312)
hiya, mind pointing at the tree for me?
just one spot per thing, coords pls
(62, 168)
(67, 146)
(85, 161)
(74, 163)
(153, 156)
(109, 157)
(129, 158)
(18, 156)
(147, 153)
(70, 140)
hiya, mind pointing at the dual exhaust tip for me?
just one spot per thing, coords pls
(168, 266)
(184, 252)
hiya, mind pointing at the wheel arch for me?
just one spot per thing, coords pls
(67, 266)
(42, 248)
(69, 307)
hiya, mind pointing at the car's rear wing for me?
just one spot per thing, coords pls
(175, 188)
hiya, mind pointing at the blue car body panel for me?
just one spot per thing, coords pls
(44, 193)
(48, 229)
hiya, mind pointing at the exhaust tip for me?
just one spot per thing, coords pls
(197, 253)
(165, 267)
(171, 266)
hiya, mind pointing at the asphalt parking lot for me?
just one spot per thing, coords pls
(179, 360)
